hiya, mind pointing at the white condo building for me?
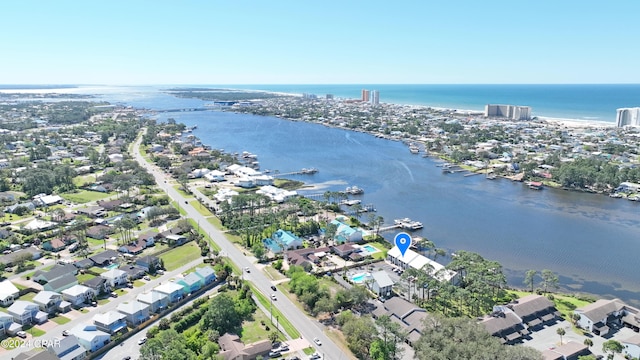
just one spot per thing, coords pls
(374, 97)
(512, 112)
(628, 117)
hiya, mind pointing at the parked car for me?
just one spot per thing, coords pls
(113, 295)
(66, 333)
(314, 356)
(142, 341)
(147, 278)
(160, 272)
(274, 354)
(21, 334)
(130, 285)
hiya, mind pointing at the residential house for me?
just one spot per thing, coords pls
(596, 316)
(48, 301)
(115, 277)
(535, 310)
(104, 258)
(133, 248)
(505, 325)
(62, 283)
(98, 285)
(305, 257)
(134, 272)
(571, 350)
(173, 291)
(190, 283)
(36, 354)
(47, 200)
(150, 263)
(110, 322)
(90, 337)
(56, 272)
(92, 211)
(632, 346)
(149, 237)
(207, 275)
(345, 233)
(282, 240)
(12, 209)
(68, 348)
(156, 301)
(10, 259)
(407, 315)
(344, 250)
(5, 323)
(232, 348)
(8, 293)
(26, 312)
(381, 284)
(135, 312)
(54, 245)
(99, 232)
(175, 239)
(214, 176)
(78, 295)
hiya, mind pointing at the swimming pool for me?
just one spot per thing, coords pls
(358, 278)
(112, 266)
(370, 248)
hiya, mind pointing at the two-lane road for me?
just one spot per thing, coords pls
(309, 328)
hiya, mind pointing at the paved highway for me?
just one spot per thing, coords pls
(309, 328)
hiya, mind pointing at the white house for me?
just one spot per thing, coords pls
(214, 176)
(110, 322)
(172, 290)
(594, 317)
(418, 261)
(26, 312)
(115, 277)
(48, 301)
(77, 295)
(155, 300)
(90, 337)
(135, 312)
(8, 293)
(381, 284)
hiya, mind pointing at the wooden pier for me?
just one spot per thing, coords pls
(299, 172)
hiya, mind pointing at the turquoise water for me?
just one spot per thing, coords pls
(370, 248)
(112, 266)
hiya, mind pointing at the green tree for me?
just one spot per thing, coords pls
(221, 315)
(530, 278)
(612, 347)
(561, 332)
(549, 280)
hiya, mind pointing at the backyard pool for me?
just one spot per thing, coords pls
(370, 249)
(358, 278)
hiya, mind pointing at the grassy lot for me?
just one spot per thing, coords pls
(253, 331)
(84, 196)
(200, 208)
(273, 273)
(181, 255)
(97, 270)
(28, 296)
(35, 332)
(84, 277)
(60, 320)
(95, 242)
(284, 322)
(138, 283)
(216, 222)
(84, 179)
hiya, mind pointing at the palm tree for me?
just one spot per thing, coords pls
(560, 332)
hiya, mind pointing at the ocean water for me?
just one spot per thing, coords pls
(581, 102)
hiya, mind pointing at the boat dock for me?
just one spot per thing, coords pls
(304, 171)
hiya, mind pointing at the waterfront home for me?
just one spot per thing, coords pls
(214, 176)
(190, 283)
(345, 233)
(67, 348)
(48, 301)
(8, 293)
(344, 250)
(115, 277)
(150, 263)
(77, 295)
(172, 290)
(98, 285)
(26, 312)
(596, 317)
(110, 322)
(276, 194)
(381, 284)
(418, 261)
(232, 348)
(207, 275)
(90, 337)
(535, 310)
(135, 312)
(282, 240)
(155, 300)
(505, 325)
(409, 316)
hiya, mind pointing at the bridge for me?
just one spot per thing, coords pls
(182, 110)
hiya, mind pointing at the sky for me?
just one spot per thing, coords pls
(159, 42)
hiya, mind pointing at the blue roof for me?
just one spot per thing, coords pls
(281, 239)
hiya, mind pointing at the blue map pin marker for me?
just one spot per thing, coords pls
(403, 241)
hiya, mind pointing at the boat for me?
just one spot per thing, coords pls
(615, 195)
(491, 176)
(354, 190)
(408, 224)
(414, 149)
(309, 171)
(535, 185)
(350, 202)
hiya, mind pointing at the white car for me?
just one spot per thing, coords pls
(142, 341)
(273, 297)
(317, 341)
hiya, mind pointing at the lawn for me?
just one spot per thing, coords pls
(284, 322)
(84, 179)
(253, 331)
(84, 196)
(28, 296)
(60, 320)
(181, 255)
(273, 273)
(382, 254)
(97, 270)
(84, 277)
(35, 332)
(180, 209)
(215, 222)
(200, 208)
